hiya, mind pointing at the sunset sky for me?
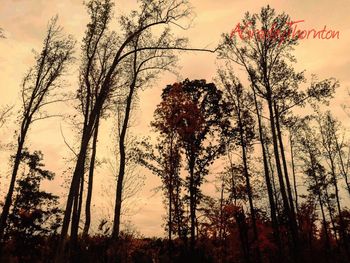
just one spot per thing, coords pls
(24, 23)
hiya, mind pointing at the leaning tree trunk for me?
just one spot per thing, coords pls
(267, 176)
(50, 63)
(122, 150)
(291, 221)
(75, 183)
(75, 219)
(284, 162)
(8, 200)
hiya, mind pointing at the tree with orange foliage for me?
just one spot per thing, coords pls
(197, 114)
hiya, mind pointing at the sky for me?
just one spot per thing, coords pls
(24, 23)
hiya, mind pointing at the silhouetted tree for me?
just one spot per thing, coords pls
(146, 66)
(314, 170)
(267, 60)
(38, 90)
(98, 51)
(328, 127)
(244, 122)
(35, 212)
(201, 123)
(263, 58)
(164, 160)
(151, 14)
(133, 180)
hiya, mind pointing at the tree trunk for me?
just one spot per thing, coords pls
(342, 234)
(247, 179)
(122, 163)
(294, 177)
(267, 176)
(177, 211)
(291, 221)
(122, 153)
(284, 162)
(342, 165)
(243, 235)
(273, 180)
(75, 222)
(8, 200)
(74, 190)
(170, 189)
(192, 204)
(335, 184)
(90, 183)
(221, 212)
(324, 222)
(170, 223)
(331, 214)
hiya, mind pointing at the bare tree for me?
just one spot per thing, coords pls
(97, 56)
(267, 61)
(159, 13)
(307, 141)
(133, 180)
(264, 60)
(98, 50)
(244, 121)
(153, 14)
(164, 160)
(38, 90)
(146, 65)
(328, 127)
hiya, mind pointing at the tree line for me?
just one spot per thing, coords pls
(251, 127)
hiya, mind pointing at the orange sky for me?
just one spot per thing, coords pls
(24, 23)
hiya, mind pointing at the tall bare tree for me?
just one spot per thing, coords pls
(268, 62)
(146, 65)
(39, 88)
(328, 127)
(244, 121)
(263, 59)
(153, 14)
(97, 57)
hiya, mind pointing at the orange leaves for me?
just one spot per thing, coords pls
(178, 113)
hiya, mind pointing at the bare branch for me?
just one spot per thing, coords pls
(66, 143)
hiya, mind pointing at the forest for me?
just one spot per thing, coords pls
(283, 185)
